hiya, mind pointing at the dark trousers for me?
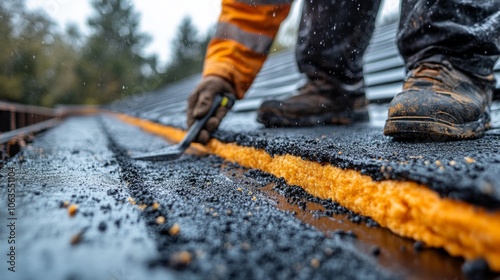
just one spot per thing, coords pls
(334, 34)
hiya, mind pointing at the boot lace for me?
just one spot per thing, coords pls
(431, 72)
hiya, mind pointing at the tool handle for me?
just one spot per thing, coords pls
(219, 100)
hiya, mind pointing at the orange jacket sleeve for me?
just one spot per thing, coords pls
(245, 31)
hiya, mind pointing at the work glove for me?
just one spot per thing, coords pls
(201, 99)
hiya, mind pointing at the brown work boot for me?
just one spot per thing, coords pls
(440, 102)
(316, 103)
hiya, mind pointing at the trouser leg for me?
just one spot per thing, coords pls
(464, 32)
(333, 36)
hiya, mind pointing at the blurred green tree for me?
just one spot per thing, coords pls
(111, 64)
(36, 63)
(188, 52)
(25, 56)
(41, 66)
(10, 84)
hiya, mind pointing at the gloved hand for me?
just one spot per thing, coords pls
(200, 101)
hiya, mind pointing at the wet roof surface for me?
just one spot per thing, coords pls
(463, 170)
(234, 222)
(445, 167)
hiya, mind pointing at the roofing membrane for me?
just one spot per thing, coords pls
(461, 171)
(229, 226)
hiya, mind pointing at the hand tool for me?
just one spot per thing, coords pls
(174, 152)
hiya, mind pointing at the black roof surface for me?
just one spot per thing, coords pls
(364, 147)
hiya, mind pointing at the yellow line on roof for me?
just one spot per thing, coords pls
(408, 209)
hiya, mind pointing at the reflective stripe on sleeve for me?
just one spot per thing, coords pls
(258, 43)
(265, 2)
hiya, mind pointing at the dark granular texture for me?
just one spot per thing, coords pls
(462, 170)
(228, 233)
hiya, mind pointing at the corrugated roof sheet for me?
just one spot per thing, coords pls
(279, 77)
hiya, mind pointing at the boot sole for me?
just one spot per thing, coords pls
(270, 119)
(422, 128)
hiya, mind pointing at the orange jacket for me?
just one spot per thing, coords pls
(245, 31)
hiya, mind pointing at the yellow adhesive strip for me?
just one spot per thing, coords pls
(408, 209)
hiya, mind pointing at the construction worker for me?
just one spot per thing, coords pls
(449, 47)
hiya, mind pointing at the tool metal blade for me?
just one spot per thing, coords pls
(174, 152)
(169, 153)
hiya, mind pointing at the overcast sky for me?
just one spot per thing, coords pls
(159, 18)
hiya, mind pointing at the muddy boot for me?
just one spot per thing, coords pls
(439, 103)
(317, 103)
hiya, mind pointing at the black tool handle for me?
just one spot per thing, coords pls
(194, 130)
